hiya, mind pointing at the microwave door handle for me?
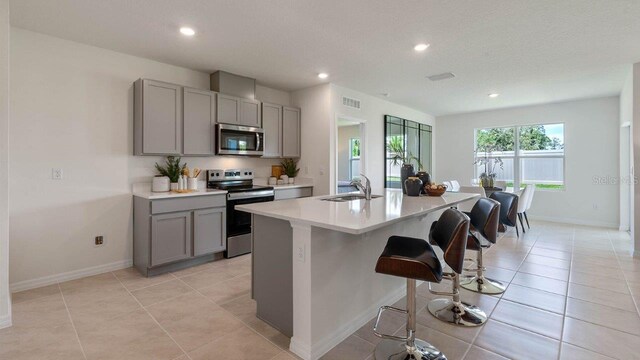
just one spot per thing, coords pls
(257, 141)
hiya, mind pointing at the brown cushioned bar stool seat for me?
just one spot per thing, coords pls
(414, 259)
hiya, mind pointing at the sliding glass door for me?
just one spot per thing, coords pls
(409, 140)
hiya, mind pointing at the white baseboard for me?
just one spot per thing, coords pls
(324, 345)
(5, 321)
(573, 221)
(71, 275)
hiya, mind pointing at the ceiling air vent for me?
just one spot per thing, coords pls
(443, 76)
(352, 103)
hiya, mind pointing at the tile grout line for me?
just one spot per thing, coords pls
(75, 331)
(566, 297)
(624, 274)
(234, 316)
(153, 318)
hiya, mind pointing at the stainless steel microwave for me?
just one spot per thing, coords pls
(239, 140)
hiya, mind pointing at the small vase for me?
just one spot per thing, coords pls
(425, 178)
(413, 186)
(405, 172)
(174, 186)
(292, 180)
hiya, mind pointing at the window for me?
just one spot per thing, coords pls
(520, 155)
(409, 140)
(354, 158)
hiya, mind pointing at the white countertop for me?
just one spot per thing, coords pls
(355, 217)
(143, 190)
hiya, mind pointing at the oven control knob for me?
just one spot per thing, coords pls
(246, 173)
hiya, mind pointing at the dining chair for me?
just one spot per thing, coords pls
(468, 205)
(448, 185)
(500, 184)
(529, 200)
(523, 200)
(455, 185)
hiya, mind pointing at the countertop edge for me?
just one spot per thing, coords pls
(353, 230)
(170, 195)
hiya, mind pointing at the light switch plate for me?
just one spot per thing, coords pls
(300, 253)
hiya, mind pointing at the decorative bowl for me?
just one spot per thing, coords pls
(435, 192)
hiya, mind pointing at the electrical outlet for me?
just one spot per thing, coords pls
(99, 240)
(595, 206)
(300, 253)
(56, 174)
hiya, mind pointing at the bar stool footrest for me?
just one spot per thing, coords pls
(387, 336)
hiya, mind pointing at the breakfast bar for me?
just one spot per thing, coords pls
(313, 261)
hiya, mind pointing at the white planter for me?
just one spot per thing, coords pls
(174, 186)
(292, 180)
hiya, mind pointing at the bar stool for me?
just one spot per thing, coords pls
(453, 310)
(508, 208)
(414, 259)
(483, 232)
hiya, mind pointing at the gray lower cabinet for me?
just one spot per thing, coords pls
(157, 118)
(199, 118)
(169, 234)
(272, 126)
(170, 237)
(290, 132)
(209, 231)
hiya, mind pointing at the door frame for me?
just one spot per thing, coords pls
(333, 184)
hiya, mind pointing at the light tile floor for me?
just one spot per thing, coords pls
(571, 294)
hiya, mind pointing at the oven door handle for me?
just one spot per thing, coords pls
(250, 194)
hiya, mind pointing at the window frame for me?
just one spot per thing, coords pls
(351, 157)
(517, 157)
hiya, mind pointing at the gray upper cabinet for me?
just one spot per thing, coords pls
(170, 237)
(272, 125)
(290, 132)
(199, 119)
(250, 113)
(209, 231)
(228, 109)
(157, 118)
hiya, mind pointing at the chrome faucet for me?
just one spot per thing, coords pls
(366, 188)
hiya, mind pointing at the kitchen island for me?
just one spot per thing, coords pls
(313, 261)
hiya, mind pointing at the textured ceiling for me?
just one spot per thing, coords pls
(528, 51)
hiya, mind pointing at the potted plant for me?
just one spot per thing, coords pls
(290, 167)
(172, 170)
(395, 147)
(484, 158)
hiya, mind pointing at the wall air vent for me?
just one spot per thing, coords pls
(443, 76)
(352, 103)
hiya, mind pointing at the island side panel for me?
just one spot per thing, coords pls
(272, 272)
(346, 291)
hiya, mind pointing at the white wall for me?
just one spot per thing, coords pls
(71, 106)
(635, 156)
(626, 118)
(345, 134)
(315, 108)
(372, 112)
(5, 300)
(591, 149)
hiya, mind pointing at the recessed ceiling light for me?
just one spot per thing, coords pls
(421, 47)
(187, 31)
(323, 75)
(494, 95)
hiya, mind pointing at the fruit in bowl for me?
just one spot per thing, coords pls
(434, 189)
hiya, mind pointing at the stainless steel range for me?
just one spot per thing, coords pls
(239, 184)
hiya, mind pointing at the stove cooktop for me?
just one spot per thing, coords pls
(239, 188)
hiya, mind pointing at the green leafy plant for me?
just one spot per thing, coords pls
(395, 147)
(172, 168)
(290, 167)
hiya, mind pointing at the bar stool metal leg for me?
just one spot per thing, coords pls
(398, 348)
(479, 283)
(455, 311)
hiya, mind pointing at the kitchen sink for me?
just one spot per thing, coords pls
(349, 197)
